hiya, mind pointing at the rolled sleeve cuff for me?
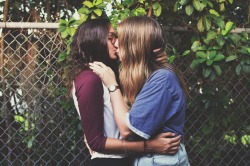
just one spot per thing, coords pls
(135, 130)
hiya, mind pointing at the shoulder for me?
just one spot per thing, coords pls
(162, 76)
(87, 77)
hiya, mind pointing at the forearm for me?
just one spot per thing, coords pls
(159, 145)
(120, 109)
(123, 146)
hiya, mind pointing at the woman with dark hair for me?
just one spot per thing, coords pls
(94, 41)
(155, 92)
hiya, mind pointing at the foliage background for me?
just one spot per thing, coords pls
(214, 61)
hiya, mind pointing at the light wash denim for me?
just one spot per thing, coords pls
(178, 159)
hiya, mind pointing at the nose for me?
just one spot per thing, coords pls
(116, 43)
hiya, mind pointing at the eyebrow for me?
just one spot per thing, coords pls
(113, 33)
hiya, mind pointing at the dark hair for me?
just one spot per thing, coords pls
(89, 44)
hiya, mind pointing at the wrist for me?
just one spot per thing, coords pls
(144, 146)
(147, 146)
(113, 88)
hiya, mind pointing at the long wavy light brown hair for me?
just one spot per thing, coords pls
(138, 37)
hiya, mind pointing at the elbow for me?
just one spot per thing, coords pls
(96, 147)
(126, 134)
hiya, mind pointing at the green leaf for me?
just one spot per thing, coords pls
(246, 68)
(200, 26)
(71, 30)
(212, 55)
(26, 125)
(156, 5)
(244, 35)
(88, 4)
(186, 52)
(62, 28)
(98, 12)
(195, 46)
(83, 17)
(202, 48)
(196, 62)
(248, 50)
(183, 2)
(97, 2)
(63, 22)
(171, 59)
(62, 57)
(238, 69)
(235, 38)
(201, 54)
(101, 6)
(83, 10)
(157, 12)
(222, 7)
(217, 69)
(206, 72)
(189, 9)
(228, 27)
(198, 5)
(72, 23)
(214, 12)
(219, 57)
(230, 1)
(71, 20)
(176, 6)
(211, 35)
(30, 143)
(231, 58)
(64, 34)
(93, 16)
(141, 11)
(207, 23)
(243, 50)
(220, 40)
(210, 4)
(209, 62)
(221, 23)
(19, 118)
(214, 48)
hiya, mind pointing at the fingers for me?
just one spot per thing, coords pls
(175, 139)
(156, 50)
(163, 54)
(167, 135)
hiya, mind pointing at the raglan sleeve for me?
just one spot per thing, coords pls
(89, 94)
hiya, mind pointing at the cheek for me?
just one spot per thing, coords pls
(110, 46)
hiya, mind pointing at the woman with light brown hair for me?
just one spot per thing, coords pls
(154, 93)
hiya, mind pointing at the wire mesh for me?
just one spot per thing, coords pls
(37, 127)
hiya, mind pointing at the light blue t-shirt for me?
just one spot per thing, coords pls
(159, 107)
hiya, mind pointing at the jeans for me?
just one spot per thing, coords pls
(178, 159)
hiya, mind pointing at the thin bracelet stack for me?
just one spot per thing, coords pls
(124, 146)
(145, 145)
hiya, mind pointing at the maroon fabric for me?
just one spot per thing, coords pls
(89, 93)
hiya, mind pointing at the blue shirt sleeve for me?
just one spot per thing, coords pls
(149, 111)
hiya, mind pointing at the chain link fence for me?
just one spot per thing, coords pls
(38, 126)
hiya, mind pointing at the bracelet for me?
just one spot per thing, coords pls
(124, 146)
(145, 145)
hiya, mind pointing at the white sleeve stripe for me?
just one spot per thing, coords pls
(135, 130)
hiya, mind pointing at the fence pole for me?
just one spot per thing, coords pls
(5, 109)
